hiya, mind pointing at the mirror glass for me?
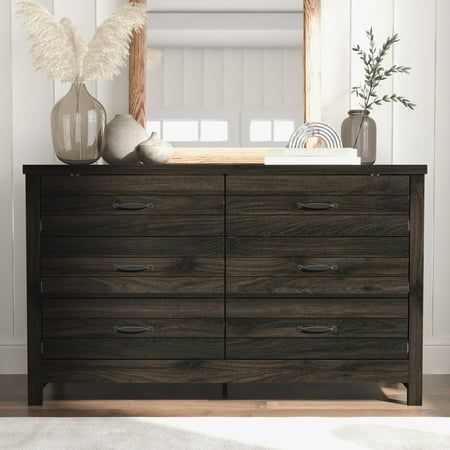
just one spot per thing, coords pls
(225, 73)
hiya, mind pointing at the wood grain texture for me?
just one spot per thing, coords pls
(132, 246)
(330, 286)
(133, 348)
(57, 205)
(316, 308)
(106, 308)
(325, 348)
(416, 291)
(288, 204)
(317, 185)
(158, 267)
(122, 185)
(287, 328)
(311, 42)
(34, 331)
(103, 328)
(284, 267)
(230, 371)
(381, 247)
(318, 225)
(217, 168)
(133, 286)
(122, 225)
(138, 73)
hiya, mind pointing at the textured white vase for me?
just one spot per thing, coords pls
(123, 135)
(154, 150)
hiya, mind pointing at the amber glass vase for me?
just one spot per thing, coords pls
(78, 127)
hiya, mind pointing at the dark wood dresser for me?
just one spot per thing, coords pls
(225, 274)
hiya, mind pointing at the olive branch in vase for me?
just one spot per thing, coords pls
(374, 74)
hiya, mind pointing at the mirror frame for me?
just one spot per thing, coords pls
(312, 65)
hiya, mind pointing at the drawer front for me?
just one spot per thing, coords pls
(331, 286)
(133, 348)
(124, 286)
(322, 225)
(133, 267)
(132, 185)
(340, 308)
(112, 308)
(318, 328)
(325, 348)
(55, 205)
(306, 205)
(317, 267)
(132, 226)
(318, 185)
(132, 246)
(132, 328)
(396, 247)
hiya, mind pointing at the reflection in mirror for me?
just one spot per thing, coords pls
(225, 73)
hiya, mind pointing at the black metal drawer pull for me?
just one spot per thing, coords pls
(316, 329)
(132, 268)
(317, 268)
(317, 206)
(133, 329)
(132, 206)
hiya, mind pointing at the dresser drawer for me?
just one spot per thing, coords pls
(323, 225)
(132, 185)
(132, 328)
(318, 328)
(307, 205)
(317, 267)
(132, 246)
(132, 286)
(133, 308)
(132, 225)
(340, 308)
(133, 348)
(324, 348)
(330, 286)
(133, 267)
(318, 184)
(150, 205)
(395, 247)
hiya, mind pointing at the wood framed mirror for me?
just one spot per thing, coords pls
(289, 14)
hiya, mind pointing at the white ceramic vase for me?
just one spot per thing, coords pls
(123, 135)
(154, 150)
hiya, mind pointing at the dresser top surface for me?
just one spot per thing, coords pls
(224, 169)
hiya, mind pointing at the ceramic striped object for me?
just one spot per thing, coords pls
(309, 130)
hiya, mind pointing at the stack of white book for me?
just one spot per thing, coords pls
(312, 156)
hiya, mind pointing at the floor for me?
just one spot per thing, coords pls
(325, 400)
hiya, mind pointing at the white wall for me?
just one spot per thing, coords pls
(404, 137)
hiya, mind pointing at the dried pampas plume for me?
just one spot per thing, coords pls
(154, 58)
(59, 50)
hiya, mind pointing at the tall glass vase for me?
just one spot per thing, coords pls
(360, 131)
(78, 123)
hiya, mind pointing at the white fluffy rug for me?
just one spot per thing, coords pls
(225, 433)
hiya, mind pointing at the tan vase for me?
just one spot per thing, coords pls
(154, 150)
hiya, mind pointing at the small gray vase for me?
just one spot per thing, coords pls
(123, 135)
(154, 150)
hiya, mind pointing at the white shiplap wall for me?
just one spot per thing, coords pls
(404, 137)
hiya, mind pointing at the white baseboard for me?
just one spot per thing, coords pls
(13, 358)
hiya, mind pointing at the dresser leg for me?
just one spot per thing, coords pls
(35, 392)
(224, 390)
(414, 395)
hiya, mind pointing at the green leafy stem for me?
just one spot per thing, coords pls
(375, 74)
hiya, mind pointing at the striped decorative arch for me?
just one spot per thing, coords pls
(315, 130)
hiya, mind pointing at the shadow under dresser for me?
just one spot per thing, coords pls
(225, 274)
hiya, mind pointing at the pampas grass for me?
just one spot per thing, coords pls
(58, 49)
